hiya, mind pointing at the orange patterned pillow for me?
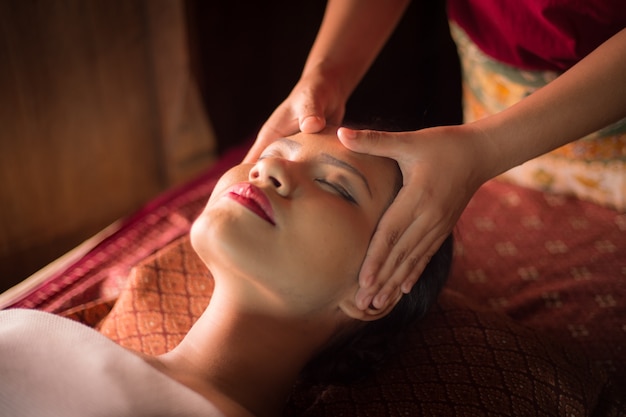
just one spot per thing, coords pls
(458, 361)
(164, 296)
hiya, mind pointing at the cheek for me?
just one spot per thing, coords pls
(342, 240)
(330, 246)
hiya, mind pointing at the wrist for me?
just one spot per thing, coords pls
(498, 145)
(483, 153)
(329, 76)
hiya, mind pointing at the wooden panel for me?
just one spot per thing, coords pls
(187, 136)
(85, 136)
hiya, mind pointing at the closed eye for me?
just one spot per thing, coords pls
(337, 188)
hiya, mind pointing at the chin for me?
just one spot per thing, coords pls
(223, 238)
(200, 238)
(207, 234)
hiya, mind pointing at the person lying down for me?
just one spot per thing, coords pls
(284, 239)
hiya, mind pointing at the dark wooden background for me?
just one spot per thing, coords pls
(106, 103)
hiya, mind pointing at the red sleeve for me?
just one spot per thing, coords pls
(538, 34)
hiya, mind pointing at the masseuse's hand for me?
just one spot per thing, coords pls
(312, 104)
(442, 168)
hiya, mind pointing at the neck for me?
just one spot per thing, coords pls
(242, 360)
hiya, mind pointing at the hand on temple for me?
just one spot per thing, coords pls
(313, 103)
(442, 168)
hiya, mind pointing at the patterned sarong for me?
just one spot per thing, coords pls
(592, 168)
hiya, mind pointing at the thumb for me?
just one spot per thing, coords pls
(311, 114)
(372, 142)
(311, 118)
(312, 123)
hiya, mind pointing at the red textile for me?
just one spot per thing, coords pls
(99, 275)
(553, 264)
(538, 34)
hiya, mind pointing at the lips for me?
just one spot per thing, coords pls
(251, 197)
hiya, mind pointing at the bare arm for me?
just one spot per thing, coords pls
(350, 37)
(588, 97)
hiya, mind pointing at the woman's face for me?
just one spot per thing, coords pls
(298, 222)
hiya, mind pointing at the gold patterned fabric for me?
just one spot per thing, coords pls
(164, 297)
(592, 168)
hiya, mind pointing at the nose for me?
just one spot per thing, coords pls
(273, 171)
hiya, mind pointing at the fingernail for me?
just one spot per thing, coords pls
(406, 287)
(363, 300)
(347, 133)
(312, 124)
(380, 300)
(367, 281)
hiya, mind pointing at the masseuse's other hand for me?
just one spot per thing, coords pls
(442, 168)
(312, 104)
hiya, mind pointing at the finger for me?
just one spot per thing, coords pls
(310, 112)
(410, 268)
(425, 236)
(405, 256)
(389, 229)
(267, 135)
(255, 150)
(312, 124)
(373, 142)
(383, 241)
(392, 225)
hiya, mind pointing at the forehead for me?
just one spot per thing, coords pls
(382, 173)
(328, 142)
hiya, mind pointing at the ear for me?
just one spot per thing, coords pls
(348, 306)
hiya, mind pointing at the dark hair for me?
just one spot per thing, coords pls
(355, 352)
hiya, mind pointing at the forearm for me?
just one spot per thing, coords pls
(588, 97)
(350, 37)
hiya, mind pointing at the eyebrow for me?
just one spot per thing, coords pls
(291, 144)
(330, 160)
